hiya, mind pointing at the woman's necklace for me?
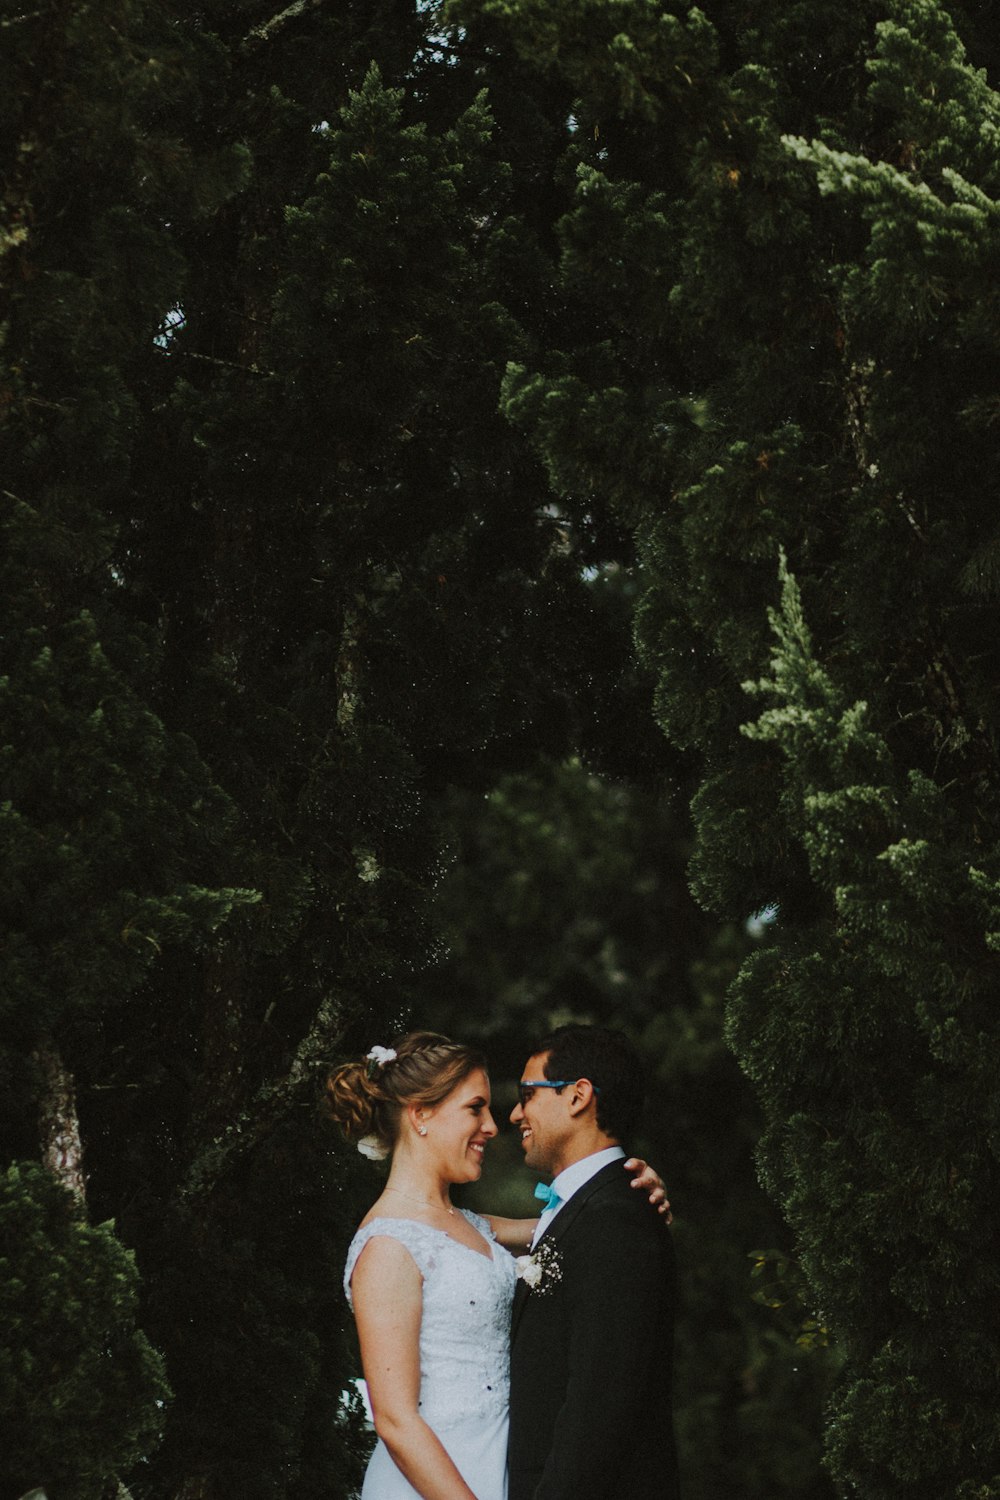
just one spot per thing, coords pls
(424, 1202)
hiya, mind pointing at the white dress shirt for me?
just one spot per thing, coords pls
(571, 1181)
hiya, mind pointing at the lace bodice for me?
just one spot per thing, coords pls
(465, 1325)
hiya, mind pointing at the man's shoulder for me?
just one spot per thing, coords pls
(616, 1232)
(611, 1186)
(612, 1201)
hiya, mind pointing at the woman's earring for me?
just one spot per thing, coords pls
(421, 1130)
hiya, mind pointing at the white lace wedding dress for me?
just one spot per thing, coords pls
(464, 1354)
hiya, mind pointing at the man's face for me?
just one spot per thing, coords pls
(543, 1120)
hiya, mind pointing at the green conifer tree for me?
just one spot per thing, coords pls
(81, 1390)
(278, 574)
(113, 834)
(357, 575)
(778, 253)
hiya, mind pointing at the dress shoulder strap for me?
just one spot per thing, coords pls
(420, 1240)
(479, 1223)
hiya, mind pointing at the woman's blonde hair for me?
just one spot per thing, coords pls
(367, 1098)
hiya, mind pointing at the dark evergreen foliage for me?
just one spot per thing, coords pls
(780, 250)
(280, 578)
(277, 573)
(81, 1390)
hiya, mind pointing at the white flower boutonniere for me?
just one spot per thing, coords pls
(541, 1269)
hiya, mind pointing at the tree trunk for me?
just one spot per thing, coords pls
(58, 1122)
(219, 1088)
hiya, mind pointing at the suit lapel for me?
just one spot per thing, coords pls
(520, 1298)
(558, 1229)
(571, 1211)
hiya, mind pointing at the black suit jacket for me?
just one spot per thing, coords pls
(591, 1355)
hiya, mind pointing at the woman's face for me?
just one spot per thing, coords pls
(459, 1127)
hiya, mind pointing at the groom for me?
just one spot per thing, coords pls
(592, 1325)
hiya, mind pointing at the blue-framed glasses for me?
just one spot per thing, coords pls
(527, 1087)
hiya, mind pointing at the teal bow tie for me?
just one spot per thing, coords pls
(547, 1194)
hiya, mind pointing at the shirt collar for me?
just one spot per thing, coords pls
(571, 1179)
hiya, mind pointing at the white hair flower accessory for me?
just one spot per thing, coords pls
(377, 1059)
(371, 1147)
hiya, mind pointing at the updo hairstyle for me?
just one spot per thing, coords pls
(367, 1100)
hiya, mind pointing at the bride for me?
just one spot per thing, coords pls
(431, 1285)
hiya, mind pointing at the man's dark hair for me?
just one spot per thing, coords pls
(611, 1063)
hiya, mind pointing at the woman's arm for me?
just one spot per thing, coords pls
(514, 1235)
(388, 1300)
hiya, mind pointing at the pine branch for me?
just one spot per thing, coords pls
(266, 1110)
(225, 364)
(270, 29)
